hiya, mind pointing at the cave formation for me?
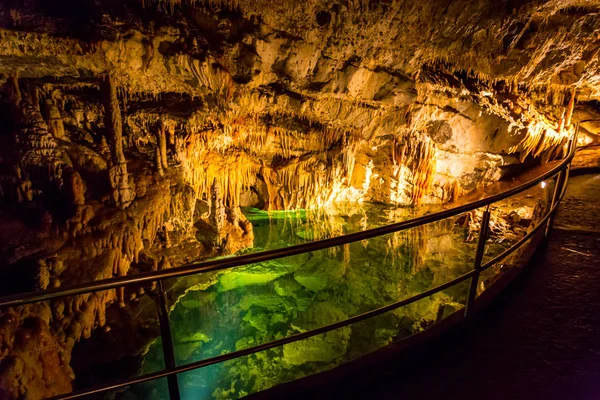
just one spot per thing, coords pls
(132, 133)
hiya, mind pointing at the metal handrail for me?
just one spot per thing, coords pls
(265, 346)
(217, 265)
(171, 371)
(521, 241)
(299, 336)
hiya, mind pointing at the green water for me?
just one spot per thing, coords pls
(262, 302)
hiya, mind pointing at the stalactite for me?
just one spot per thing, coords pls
(570, 108)
(161, 141)
(561, 123)
(425, 167)
(418, 154)
(539, 138)
(398, 151)
(40, 162)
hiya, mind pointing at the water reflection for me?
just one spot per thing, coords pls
(266, 301)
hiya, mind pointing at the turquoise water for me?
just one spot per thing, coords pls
(266, 301)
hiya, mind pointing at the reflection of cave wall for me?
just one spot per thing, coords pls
(130, 134)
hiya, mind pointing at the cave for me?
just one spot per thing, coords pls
(139, 137)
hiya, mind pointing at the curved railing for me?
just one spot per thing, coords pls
(561, 171)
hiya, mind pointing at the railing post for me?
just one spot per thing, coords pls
(565, 181)
(562, 179)
(483, 232)
(558, 188)
(167, 342)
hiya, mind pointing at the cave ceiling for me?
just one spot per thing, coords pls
(281, 81)
(307, 47)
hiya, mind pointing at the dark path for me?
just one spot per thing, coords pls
(539, 340)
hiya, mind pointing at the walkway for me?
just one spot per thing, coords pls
(539, 340)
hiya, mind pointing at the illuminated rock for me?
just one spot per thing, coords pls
(132, 133)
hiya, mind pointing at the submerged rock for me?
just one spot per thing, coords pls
(256, 274)
(322, 348)
(320, 272)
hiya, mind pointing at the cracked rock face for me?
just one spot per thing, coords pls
(132, 133)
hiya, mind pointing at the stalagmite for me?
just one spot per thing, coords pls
(55, 122)
(76, 188)
(158, 161)
(217, 209)
(123, 191)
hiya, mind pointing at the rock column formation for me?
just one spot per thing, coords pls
(123, 191)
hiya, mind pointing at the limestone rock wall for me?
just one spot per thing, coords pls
(132, 129)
